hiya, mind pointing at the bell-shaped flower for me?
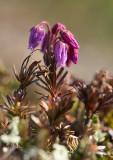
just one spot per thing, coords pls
(44, 43)
(57, 26)
(61, 53)
(69, 61)
(72, 56)
(69, 39)
(36, 36)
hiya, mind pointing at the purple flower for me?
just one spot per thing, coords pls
(57, 41)
(36, 36)
(69, 39)
(72, 56)
(57, 26)
(61, 53)
(69, 61)
(44, 43)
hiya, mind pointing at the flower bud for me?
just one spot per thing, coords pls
(44, 43)
(69, 39)
(61, 53)
(57, 26)
(72, 56)
(69, 61)
(36, 36)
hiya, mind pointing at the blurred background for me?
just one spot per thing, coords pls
(90, 21)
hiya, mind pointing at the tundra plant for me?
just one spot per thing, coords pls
(72, 120)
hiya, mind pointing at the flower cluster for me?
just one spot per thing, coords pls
(58, 41)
